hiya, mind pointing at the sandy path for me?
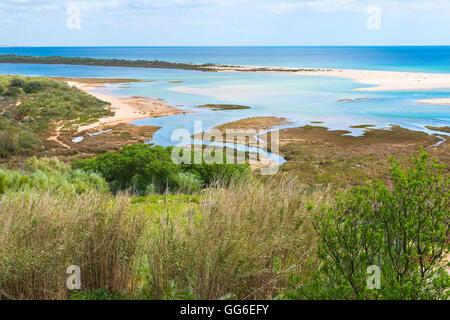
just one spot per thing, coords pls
(126, 109)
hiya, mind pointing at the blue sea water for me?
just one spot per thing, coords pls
(301, 99)
(405, 58)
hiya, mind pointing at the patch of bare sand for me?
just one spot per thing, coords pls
(437, 101)
(126, 109)
(379, 80)
(390, 80)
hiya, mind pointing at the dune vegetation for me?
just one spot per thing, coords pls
(31, 109)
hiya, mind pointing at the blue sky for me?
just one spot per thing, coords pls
(224, 22)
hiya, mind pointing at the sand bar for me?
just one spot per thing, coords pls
(379, 80)
(126, 109)
(389, 80)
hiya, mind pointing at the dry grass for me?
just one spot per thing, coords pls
(43, 234)
(245, 243)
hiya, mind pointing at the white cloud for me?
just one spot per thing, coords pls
(214, 10)
(327, 6)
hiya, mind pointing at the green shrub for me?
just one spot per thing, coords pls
(17, 82)
(12, 92)
(403, 231)
(143, 168)
(31, 106)
(50, 175)
(188, 182)
(99, 294)
(33, 87)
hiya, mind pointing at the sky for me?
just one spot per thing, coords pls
(224, 22)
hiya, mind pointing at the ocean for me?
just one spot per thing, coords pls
(404, 58)
(300, 99)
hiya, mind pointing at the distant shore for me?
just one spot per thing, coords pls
(378, 80)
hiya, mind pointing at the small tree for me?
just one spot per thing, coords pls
(403, 231)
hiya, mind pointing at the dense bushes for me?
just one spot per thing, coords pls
(49, 175)
(43, 98)
(23, 84)
(144, 168)
(30, 107)
(403, 232)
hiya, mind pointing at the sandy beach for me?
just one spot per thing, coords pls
(390, 80)
(126, 109)
(379, 80)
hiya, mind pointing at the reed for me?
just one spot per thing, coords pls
(44, 233)
(244, 242)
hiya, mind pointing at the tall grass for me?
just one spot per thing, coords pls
(44, 233)
(245, 242)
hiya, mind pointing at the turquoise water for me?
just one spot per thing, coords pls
(406, 58)
(301, 99)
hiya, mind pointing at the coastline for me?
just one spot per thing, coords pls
(379, 80)
(126, 109)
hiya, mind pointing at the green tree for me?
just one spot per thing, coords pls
(403, 230)
(143, 168)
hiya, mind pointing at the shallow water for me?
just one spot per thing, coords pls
(300, 99)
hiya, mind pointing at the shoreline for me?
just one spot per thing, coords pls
(379, 80)
(391, 80)
(126, 109)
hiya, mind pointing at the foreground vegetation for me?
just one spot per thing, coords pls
(141, 227)
(245, 240)
(143, 169)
